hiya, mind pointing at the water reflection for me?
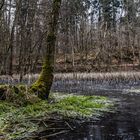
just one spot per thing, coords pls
(123, 125)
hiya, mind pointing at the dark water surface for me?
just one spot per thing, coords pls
(122, 125)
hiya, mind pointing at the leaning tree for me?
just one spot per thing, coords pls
(43, 84)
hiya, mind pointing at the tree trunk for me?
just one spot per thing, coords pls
(43, 85)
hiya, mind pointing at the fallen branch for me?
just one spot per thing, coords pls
(52, 135)
(68, 125)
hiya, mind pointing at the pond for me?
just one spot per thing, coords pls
(122, 125)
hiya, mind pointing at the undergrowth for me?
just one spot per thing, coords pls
(18, 95)
(15, 121)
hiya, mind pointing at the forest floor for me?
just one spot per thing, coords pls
(30, 119)
(81, 63)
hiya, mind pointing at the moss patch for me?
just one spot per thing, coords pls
(18, 95)
(15, 122)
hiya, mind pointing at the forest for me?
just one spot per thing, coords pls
(93, 35)
(69, 69)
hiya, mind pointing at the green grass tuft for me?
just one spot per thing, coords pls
(15, 121)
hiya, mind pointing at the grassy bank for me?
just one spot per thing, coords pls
(16, 121)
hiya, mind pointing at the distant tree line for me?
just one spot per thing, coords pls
(93, 35)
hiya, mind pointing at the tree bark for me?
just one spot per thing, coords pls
(43, 84)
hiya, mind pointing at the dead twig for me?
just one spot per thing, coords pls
(57, 129)
(68, 125)
(52, 135)
(45, 124)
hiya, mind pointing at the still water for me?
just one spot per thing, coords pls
(122, 125)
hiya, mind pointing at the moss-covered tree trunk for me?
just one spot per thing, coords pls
(43, 85)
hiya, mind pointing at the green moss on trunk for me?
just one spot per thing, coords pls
(43, 85)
